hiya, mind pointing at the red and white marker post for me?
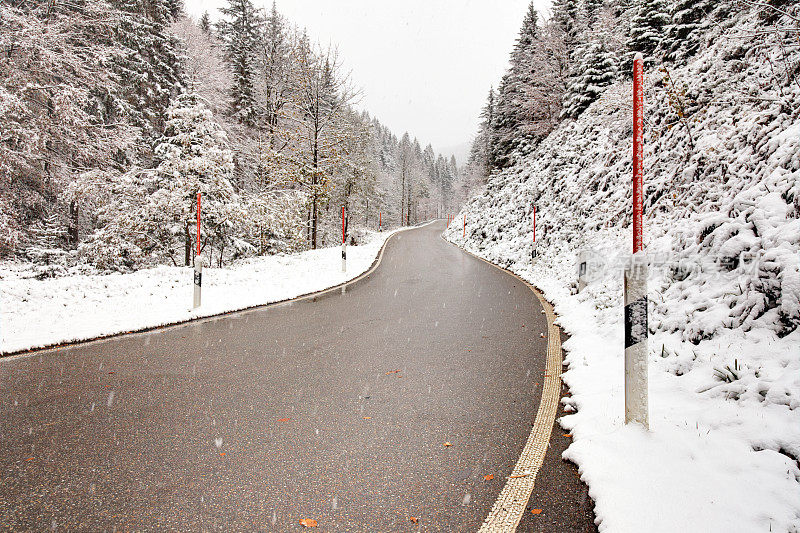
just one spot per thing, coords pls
(380, 221)
(344, 245)
(464, 235)
(635, 276)
(198, 263)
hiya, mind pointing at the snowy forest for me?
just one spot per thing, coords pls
(115, 113)
(560, 65)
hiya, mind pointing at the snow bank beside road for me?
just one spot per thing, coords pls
(36, 313)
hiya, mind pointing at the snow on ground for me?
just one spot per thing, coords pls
(723, 239)
(35, 313)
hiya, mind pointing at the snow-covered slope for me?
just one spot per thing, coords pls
(722, 233)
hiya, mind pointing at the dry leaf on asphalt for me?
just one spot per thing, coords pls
(414, 519)
(392, 372)
(447, 443)
(367, 418)
(284, 419)
(488, 477)
(536, 511)
(308, 522)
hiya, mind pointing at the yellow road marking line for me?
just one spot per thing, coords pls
(510, 505)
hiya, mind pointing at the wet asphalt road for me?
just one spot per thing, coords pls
(253, 421)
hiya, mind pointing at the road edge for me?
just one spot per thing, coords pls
(510, 504)
(310, 295)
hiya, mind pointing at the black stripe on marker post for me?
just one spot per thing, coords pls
(636, 322)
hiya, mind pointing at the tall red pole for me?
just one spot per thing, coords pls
(534, 223)
(342, 224)
(198, 223)
(380, 220)
(464, 236)
(638, 120)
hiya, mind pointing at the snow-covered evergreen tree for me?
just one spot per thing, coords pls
(595, 70)
(241, 31)
(683, 36)
(591, 11)
(150, 215)
(566, 15)
(648, 25)
(148, 62)
(193, 158)
(205, 23)
(510, 115)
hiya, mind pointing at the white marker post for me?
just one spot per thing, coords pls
(635, 277)
(344, 245)
(198, 263)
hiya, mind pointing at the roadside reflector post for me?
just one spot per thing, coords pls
(635, 278)
(464, 236)
(198, 263)
(380, 221)
(344, 245)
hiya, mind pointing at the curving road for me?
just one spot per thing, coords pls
(256, 420)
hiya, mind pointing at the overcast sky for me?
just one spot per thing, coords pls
(425, 66)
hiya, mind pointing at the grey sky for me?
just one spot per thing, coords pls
(425, 66)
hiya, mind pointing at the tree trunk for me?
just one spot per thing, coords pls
(187, 246)
(72, 231)
(314, 198)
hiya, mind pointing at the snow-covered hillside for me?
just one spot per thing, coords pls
(722, 173)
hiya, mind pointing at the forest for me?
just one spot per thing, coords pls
(115, 114)
(562, 64)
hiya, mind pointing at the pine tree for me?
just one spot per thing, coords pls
(510, 115)
(595, 71)
(481, 156)
(591, 10)
(566, 16)
(193, 158)
(648, 25)
(683, 36)
(241, 32)
(149, 61)
(277, 70)
(205, 23)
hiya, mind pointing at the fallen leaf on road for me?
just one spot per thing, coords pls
(516, 476)
(541, 335)
(536, 511)
(284, 419)
(567, 435)
(447, 443)
(29, 459)
(488, 477)
(308, 522)
(367, 418)
(392, 372)
(414, 519)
